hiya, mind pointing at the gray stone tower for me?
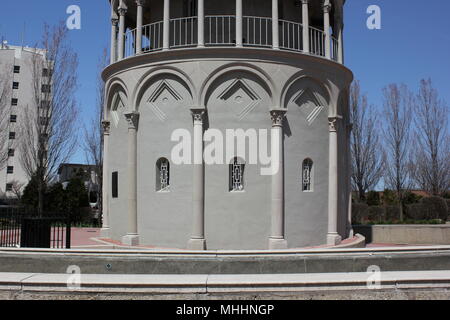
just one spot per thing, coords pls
(208, 67)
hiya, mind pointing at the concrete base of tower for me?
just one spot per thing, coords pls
(197, 244)
(277, 244)
(131, 240)
(333, 239)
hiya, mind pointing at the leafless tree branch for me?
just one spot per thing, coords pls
(368, 157)
(432, 139)
(48, 134)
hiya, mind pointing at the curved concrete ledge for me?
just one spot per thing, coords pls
(323, 260)
(221, 284)
(359, 241)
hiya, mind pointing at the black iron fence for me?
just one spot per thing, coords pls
(21, 228)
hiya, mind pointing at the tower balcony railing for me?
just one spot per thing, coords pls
(221, 31)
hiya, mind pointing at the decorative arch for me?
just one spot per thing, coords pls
(149, 78)
(116, 97)
(262, 77)
(308, 94)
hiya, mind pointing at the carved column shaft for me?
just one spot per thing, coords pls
(277, 237)
(121, 38)
(132, 238)
(105, 179)
(198, 241)
(201, 23)
(326, 28)
(305, 20)
(139, 23)
(333, 238)
(114, 24)
(275, 25)
(239, 24)
(166, 25)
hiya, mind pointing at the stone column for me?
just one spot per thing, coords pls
(275, 26)
(341, 36)
(239, 23)
(201, 23)
(277, 237)
(305, 22)
(326, 28)
(333, 238)
(121, 38)
(198, 241)
(349, 179)
(139, 23)
(114, 24)
(105, 180)
(132, 238)
(166, 25)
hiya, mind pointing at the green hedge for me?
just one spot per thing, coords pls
(429, 210)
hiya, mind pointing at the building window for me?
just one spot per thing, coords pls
(307, 175)
(11, 152)
(10, 170)
(9, 187)
(14, 101)
(236, 175)
(115, 184)
(162, 175)
(45, 72)
(15, 85)
(16, 69)
(12, 135)
(13, 118)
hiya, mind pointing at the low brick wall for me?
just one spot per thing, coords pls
(406, 234)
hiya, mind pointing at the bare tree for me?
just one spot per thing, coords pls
(432, 152)
(367, 153)
(5, 96)
(398, 104)
(48, 132)
(93, 134)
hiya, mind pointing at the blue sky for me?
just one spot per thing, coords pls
(414, 42)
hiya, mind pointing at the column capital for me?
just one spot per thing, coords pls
(327, 7)
(278, 116)
(333, 123)
(115, 21)
(106, 125)
(132, 119)
(198, 114)
(122, 11)
(140, 3)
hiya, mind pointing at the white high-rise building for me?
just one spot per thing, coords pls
(16, 66)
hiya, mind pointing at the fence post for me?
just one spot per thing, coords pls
(68, 232)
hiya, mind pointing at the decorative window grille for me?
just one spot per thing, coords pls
(237, 175)
(162, 175)
(307, 175)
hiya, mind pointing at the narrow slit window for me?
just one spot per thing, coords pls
(307, 175)
(162, 175)
(115, 184)
(236, 175)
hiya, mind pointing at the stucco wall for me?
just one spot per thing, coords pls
(201, 78)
